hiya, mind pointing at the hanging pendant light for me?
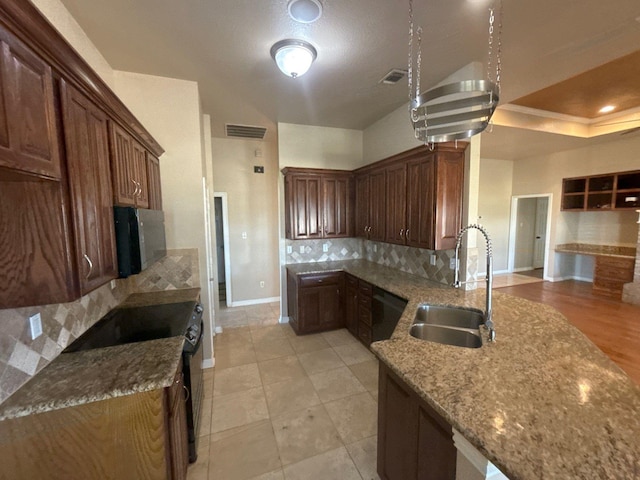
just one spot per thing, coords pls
(457, 110)
(293, 57)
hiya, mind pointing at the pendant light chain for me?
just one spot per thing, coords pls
(498, 55)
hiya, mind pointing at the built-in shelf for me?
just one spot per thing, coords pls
(613, 191)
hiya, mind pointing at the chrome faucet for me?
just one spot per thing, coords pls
(488, 314)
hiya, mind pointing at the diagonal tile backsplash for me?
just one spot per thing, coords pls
(21, 357)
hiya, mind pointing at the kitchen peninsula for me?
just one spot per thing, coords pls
(540, 402)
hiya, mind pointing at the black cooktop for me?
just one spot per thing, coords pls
(135, 324)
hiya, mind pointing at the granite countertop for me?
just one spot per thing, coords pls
(93, 375)
(540, 402)
(596, 250)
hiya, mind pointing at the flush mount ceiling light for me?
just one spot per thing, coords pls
(293, 57)
(456, 110)
(305, 11)
(607, 109)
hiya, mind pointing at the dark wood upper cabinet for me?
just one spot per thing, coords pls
(414, 198)
(129, 168)
(318, 204)
(28, 131)
(87, 145)
(153, 177)
(396, 190)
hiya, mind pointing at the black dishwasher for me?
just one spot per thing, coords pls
(386, 310)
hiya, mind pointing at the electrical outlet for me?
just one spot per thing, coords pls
(36, 326)
(375, 248)
(112, 284)
(261, 283)
(289, 249)
(301, 249)
(325, 247)
(452, 264)
(244, 235)
(433, 259)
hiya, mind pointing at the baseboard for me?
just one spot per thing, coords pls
(495, 272)
(257, 301)
(283, 320)
(522, 269)
(570, 277)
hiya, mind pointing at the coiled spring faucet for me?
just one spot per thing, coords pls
(488, 314)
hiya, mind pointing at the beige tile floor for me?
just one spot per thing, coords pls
(278, 406)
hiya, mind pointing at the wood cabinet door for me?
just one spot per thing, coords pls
(139, 168)
(28, 131)
(337, 206)
(377, 205)
(86, 138)
(362, 207)
(351, 304)
(330, 307)
(396, 189)
(420, 203)
(122, 166)
(306, 206)
(450, 175)
(153, 178)
(437, 453)
(309, 308)
(177, 423)
(397, 429)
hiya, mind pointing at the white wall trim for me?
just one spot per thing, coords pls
(227, 253)
(477, 459)
(257, 301)
(513, 225)
(283, 320)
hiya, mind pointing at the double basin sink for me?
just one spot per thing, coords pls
(448, 325)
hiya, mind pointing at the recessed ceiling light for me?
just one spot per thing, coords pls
(305, 11)
(607, 109)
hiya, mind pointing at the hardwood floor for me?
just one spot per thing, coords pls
(612, 325)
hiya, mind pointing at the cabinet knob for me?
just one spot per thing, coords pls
(86, 257)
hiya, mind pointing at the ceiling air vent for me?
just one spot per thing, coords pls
(393, 77)
(245, 131)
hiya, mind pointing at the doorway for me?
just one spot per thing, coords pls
(222, 249)
(529, 234)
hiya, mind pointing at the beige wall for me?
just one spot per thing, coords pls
(252, 208)
(61, 19)
(319, 147)
(494, 209)
(544, 174)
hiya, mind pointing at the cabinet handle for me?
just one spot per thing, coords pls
(402, 232)
(139, 190)
(186, 390)
(406, 234)
(135, 187)
(86, 257)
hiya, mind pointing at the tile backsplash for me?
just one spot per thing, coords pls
(308, 251)
(416, 261)
(21, 357)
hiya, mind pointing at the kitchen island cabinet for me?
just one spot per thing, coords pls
(125, 422)
(540, 402)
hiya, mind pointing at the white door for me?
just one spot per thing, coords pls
(540, 231)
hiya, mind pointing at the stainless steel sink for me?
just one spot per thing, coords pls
(460, 337)
(448, 325)
(449, 316)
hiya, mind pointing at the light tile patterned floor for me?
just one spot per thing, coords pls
(278, 406)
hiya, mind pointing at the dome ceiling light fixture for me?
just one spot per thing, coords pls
(305, 11)
(457, 110)
(293, 57)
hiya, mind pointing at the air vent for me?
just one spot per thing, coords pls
(245, 131)
(393, 77)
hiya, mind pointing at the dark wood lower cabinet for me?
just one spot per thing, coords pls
(414, 442)
(351, 304)
(315, 302)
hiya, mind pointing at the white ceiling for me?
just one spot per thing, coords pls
(224, 45)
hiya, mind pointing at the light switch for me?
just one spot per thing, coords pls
(325, 247)
(244, 235)
(301, 249)
(433, 258)
(289, 249)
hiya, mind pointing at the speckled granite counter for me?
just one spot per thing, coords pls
(541, 403)
(93, 375)
(596, 250)
(162, 297)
